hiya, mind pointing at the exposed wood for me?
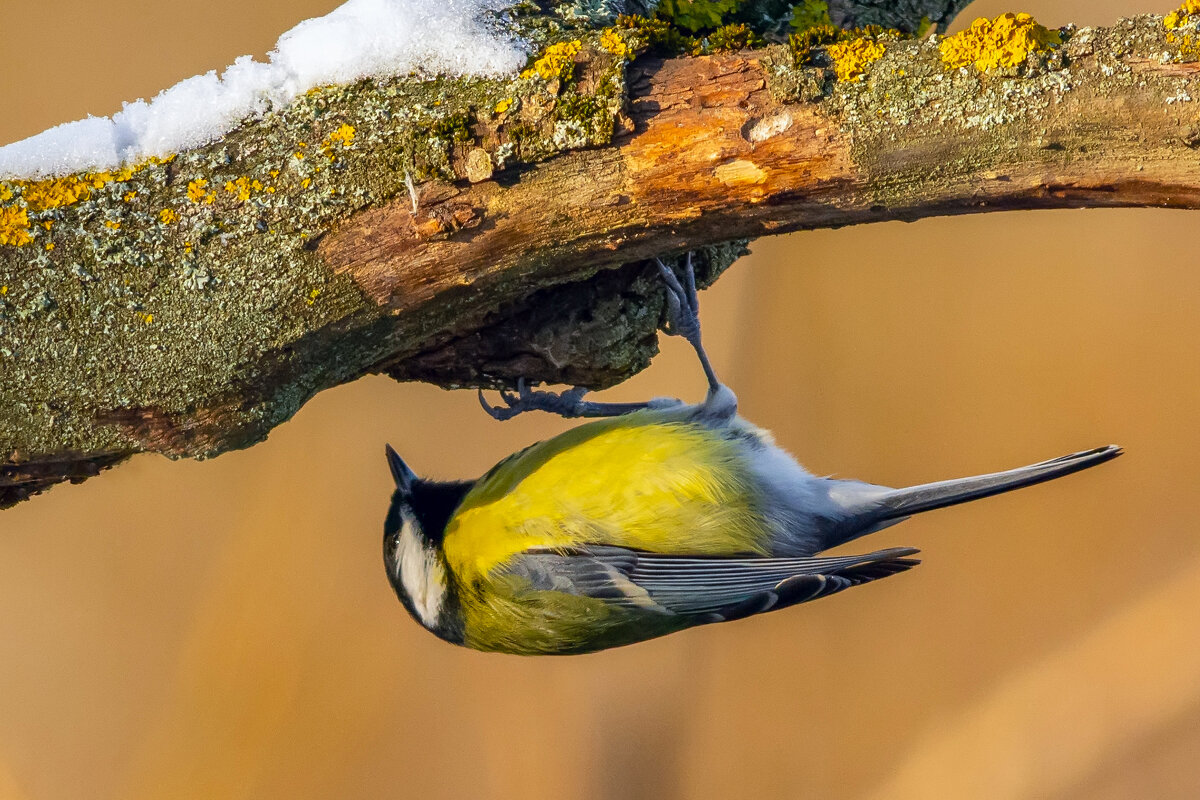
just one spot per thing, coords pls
(715, 156)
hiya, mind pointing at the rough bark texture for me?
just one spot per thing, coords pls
(522, 247)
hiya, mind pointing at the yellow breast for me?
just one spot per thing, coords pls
(645, 480)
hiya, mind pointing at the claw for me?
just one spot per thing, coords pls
(567, 404)
(517, 403)
(495, 412)
(674, 304)
(683, 315)
(683, 305)
(693, 297)
(674, 309)
(576, 394)
(669, 276)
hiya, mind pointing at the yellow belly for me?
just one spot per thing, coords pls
(646, 480)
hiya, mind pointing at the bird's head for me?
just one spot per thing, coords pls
(412, 545)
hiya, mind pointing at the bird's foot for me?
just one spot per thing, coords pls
(683, 305)
(568, 404)
(683, 319)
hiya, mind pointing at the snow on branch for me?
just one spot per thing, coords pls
(470, 229)
(360, 39)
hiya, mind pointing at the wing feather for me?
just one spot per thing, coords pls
(714, 588)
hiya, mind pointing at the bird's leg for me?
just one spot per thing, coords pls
(683, 319)
(683, 307)
(566, 404)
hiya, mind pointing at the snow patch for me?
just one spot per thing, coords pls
(360, 39)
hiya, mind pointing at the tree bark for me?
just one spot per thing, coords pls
(488, 271)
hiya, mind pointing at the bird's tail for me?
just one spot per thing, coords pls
(927, 497)
(875, 507)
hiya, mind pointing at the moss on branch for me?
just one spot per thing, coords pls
(137, 295)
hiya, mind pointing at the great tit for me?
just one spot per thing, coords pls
(659, 517)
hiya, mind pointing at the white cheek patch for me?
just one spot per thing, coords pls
(421, 574)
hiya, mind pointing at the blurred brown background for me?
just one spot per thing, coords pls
(225, 629)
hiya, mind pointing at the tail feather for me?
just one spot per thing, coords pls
(900, 503)
(869, 508)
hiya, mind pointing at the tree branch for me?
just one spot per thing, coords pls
(188, 307)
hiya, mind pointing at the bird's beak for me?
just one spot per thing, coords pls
(403, 476)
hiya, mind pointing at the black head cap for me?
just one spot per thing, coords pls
(429, 503)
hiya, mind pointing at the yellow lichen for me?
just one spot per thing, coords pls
(611, 41)
(53, 193)
(1182, 15)
(557, 62)
(241, 187)
(1004, 42)
(198, 193)
(503, 105)
(851, 59)
(1187, 45)
(113, 224)
(49, 246)
(46, 195)
(61, 192)
(14, 226)
(144, 317)
(343, 135)
(167, 216)
(312, 297)
(58, 192)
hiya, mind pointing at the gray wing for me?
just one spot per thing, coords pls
(714, 588)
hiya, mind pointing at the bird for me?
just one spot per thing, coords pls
(649, 519)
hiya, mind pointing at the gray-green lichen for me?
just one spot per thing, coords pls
(183, 302)
(909, 100)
